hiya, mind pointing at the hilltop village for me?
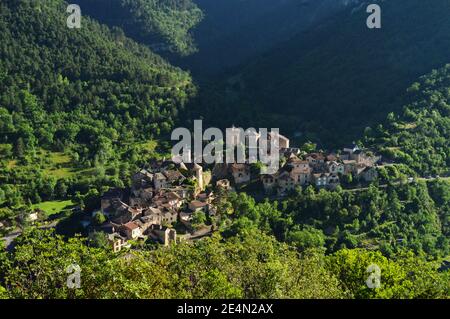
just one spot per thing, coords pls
(166, 196)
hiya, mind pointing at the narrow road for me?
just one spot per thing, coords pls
(8, 239)
(359, 189)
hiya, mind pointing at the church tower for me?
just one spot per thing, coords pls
(199, 175)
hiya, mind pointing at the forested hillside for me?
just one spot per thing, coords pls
(90, 95)
(236, 30)
(81, 110)
(249, 265)
(332, 81)
(419, 136)
(164, 25)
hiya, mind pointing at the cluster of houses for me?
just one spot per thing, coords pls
(167, 194)
(320, 169)
(160, 197)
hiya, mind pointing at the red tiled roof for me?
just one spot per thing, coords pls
(131, 225)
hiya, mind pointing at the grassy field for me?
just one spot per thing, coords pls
(53, 207)
(58, 165)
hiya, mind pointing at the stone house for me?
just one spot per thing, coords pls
(168, 199)
(349, 166)
(141, 197)
(315, 159)
(117, 242)
(320, 180)
(240, 172)
(196, 206)
(336, 168)
(165, 235)
(223, 184)
(285, 183)
(173, 176)
(142, 179)
(131, 230)
(332, 181)
(269, 182)
(169, 217)
(160, 181)
(185, 218)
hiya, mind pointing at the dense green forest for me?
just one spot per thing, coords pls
(75, 101)
(420, 136)
(164, 25)
(81, 110)
(234, 31)
(248, 265)
(332, 81)
(413, 216)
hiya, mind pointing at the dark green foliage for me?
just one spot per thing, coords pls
(90, 89)
(412, 216)
(90, 93)
(251, 265)
(334, 80)
(248, 266)
(233, 31)
(420, 136)
(164, 25)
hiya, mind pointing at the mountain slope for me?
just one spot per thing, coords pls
(331, 82)
(89, 90)
(235, 30)
(419, 136)
(164, 25)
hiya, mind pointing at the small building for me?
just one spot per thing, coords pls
(174, 200)
(336, 168)
(197, 205)
(131, 230)
(32, 217)
(174, 176)
(169, 217)
(206, 197)
(117, 242)
(240, 172)
(332, 181)
(321, 179)
(223, 184)
(186, 217)
(315, 159)
(165, 235)
(285, 183)
(301, 177)
(351, 148)
(269, 182)
(160, 181)
(142, 179)
(331, 157)
(350, 166)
